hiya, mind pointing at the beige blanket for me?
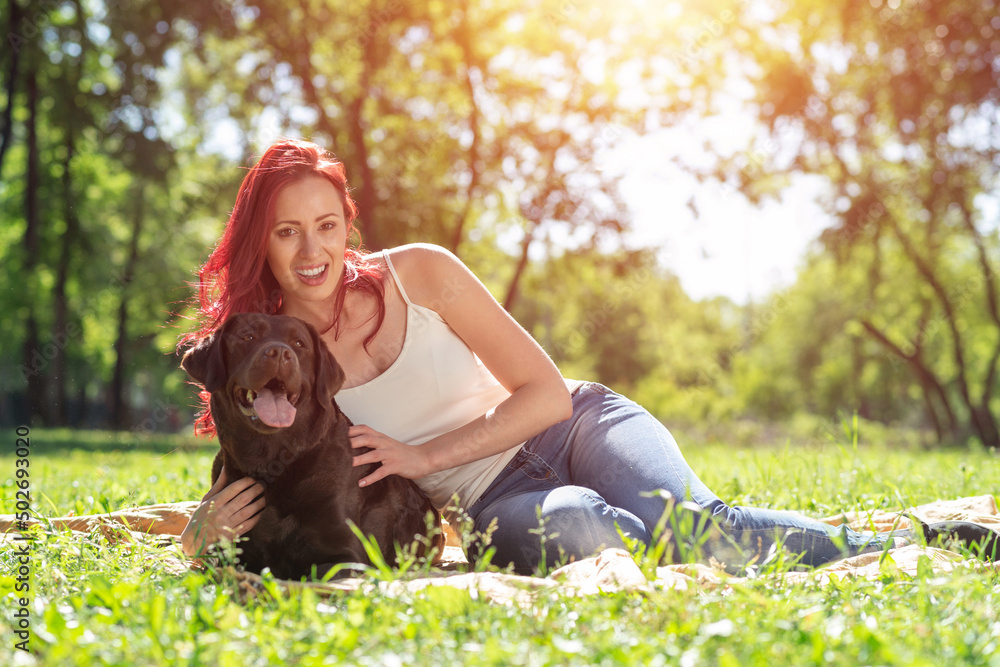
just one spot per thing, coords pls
(612, 570)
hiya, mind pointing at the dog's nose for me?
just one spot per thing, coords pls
(279, 352)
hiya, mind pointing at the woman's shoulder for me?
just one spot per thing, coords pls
(417, 252)
(424, 261)
(425, 270)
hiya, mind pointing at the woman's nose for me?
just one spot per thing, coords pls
(310, 245)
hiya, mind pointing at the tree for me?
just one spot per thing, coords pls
(620, 319)
(450, 117)
(86, 169)
(808, 353)
(456, 123)
(895, 105)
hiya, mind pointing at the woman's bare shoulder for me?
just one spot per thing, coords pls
(426, 271)
(424, 264)
(416, 252)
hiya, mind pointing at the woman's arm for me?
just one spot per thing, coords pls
(436, 279)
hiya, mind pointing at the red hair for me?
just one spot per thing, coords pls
(237, 278)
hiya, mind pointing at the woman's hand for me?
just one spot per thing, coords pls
(396, 458)
(227, 510)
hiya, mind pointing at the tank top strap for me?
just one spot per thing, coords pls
(395, 278)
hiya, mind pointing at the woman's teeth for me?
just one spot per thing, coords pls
(311, 273)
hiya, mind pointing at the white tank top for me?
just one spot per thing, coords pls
(435, 385)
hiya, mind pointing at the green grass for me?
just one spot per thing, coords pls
(96, 602)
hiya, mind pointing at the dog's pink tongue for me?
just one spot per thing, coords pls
(274, 408)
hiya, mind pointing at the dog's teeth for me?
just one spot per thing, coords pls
(251, 396)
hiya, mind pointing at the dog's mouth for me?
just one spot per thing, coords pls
(272, 404)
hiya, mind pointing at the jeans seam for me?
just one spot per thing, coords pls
(598, 388)
(663, 450)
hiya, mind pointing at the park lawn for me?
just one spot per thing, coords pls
(100, 603)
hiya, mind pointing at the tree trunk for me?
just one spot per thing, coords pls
(60, 303)
(983, 425)
(366, 191)
(989, 431)
(7, 127)
(986, 418)
(34, 367)
(513, 289)
(35, 363)
(930, 384)
(120, 416)
(70, 238)
(119, 403)
(81, 399)
(464, 37)
(33, 179)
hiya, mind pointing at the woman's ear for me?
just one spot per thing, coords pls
(329, 375)
(205, 363)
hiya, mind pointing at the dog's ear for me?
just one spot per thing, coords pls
(329, 375)
(205, 362)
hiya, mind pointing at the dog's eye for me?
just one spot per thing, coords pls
(299, 343)
(249, 338)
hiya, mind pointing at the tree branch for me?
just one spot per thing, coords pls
(928, 273)
(924, 374)
(515, 281)
(989, 277)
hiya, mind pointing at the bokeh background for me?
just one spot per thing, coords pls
(740, 213)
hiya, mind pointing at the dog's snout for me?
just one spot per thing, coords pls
(279, 352)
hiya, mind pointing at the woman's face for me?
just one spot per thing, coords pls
(306, 248)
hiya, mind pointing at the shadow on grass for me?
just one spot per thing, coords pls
(51, 442)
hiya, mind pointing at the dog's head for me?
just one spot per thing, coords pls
(267, 370)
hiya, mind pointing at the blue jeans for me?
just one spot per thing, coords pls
(596, 473)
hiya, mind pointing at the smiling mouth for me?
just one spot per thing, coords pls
(312, 273)
(272, 404)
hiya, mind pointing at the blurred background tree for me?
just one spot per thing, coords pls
(490, 128)
(894, 104)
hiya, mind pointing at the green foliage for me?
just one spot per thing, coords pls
(145, 112)
(621, 320)
(96, 276)
(889, 104)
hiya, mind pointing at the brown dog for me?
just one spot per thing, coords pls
(272, 382)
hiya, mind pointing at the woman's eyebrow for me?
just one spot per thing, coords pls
(296, 222)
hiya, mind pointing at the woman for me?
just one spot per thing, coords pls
(448, 390)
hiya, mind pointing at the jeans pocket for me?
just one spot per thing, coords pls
(537, 476)
(535, 467)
